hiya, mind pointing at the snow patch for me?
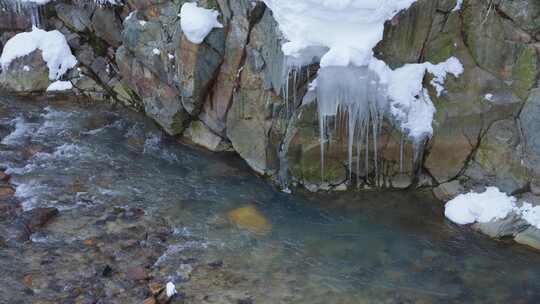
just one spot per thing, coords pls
(531, 214)
(198, 22)
(480, 207)
(53, 45)
(60, 85)
(170, 289)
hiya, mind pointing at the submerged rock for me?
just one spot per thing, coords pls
(250, 219)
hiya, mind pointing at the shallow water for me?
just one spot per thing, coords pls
(369, 247)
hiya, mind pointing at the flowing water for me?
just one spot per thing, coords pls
(369, 247)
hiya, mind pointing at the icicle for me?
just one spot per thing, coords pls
(401, 147)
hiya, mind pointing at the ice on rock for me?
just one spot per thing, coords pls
(340, 35)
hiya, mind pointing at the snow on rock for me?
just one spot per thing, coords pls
(410, 103)
(531, 214)
(481, 207)
(60, 85)
(55, 50)
(342, 34)
(198, 22)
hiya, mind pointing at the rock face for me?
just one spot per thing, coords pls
(231, 90)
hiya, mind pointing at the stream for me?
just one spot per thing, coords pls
(137, 207)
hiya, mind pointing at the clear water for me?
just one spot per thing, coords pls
(369, 247)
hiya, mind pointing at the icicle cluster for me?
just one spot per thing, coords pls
(352, 86)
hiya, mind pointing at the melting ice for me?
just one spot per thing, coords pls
(340, 36)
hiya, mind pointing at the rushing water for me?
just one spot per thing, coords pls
(369, 247)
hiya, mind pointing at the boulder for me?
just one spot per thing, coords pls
(26, 74)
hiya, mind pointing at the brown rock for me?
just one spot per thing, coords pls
(155, 288)
(150, 300)
(6, 192)
(39, 217)
(136, 273)
(4, 176)
(27, 280)
(89, 242)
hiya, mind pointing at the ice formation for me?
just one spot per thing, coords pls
(198, 22)
(53, 45)
(340, 35)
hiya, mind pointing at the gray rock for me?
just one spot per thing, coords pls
(509, 226)
(26, 74)
(529, 237)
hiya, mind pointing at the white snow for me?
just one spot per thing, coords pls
(531, 214)
(38, 2)
(410, 103)
(480, 207)
(343, 33)
(55, 50)
(198, 22)
(109, 2)
(60, 85)
(170, 289)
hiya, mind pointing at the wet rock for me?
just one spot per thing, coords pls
(150, 300)
(4, 176)
(529, 237)
(250, 219)
(245, 301)
(39, 217)
(509, 226)
(199, 134)
(136, 273)
(30, 222)
(448, 191)
(216, 264)
(155, 288)
(6, 192)
(107, 271)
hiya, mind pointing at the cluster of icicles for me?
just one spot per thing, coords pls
(31, 8)
(350, 97)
